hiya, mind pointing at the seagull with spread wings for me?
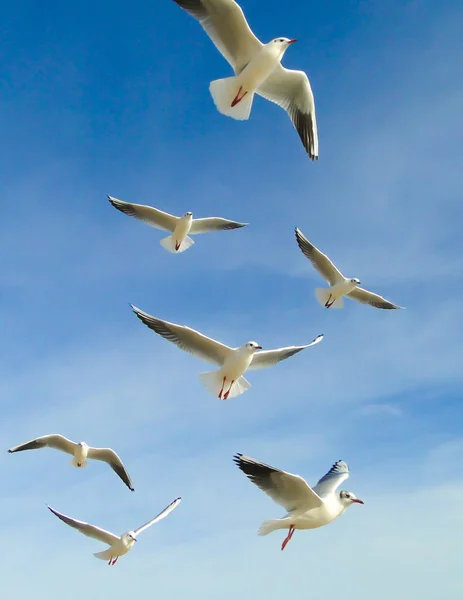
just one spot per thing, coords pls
(228, 381)
(179, 227)
(80, 451)
(339, 285)
(118, 544)
(307, 507)
(257, 68)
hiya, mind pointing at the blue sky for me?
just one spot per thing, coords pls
(113, 99)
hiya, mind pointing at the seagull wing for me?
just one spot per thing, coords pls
(160, 516)
(290, 491)
(89, 530)
(291, 90)
(226, 25)
(108, 455)
(213, 224)
(319, 260)
(186, 338)
(53, 440)
(366, 297)
(330, 482)
(267, 358)
(149, 215)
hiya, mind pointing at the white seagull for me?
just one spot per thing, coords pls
(118, 544)
(339, 285)
(180, 227)
(257, 68)
(228, 381)
(308, 508)
(80, 451)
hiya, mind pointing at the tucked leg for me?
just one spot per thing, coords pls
(238, 97)
(221, 389)
(288, 537)
(229, 390)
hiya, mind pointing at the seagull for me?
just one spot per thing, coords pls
(308, 508)
(257, 68)
(228, 381)
(80, 452)
(180, 227)
(339, 285)
(118, 545)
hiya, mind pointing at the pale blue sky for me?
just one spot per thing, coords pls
(113, 99)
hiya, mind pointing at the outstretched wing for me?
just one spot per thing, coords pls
(160, 516)
(226, 25)
(267, 358)
(148, 214)
(366, 297)
(108, 455)
(186, 338)
(291, 90)
(53, 440)
(89, 530)
(290, 491)
(330, 482)
(319, 260)
(208, 224)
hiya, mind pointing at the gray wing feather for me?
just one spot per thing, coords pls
(213, 224)
(319, 260)
(186, 338)
(267, 358)
(108, 456)
(226, 25)
(291, 90)
(53, 440)
(330, 482)
(160, 516)
(288, 490)
(366, 297)
(89, 530)
(148, 214)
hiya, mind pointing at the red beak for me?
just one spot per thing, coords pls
(358, 501)
(258, 347)
(292, 41)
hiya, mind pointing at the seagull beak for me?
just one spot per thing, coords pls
(135, 539)
(291, 42)
(258, 347)
(358, 501)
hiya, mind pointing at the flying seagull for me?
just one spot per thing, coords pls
(257, 68)
(308, 508)
(118, 545)
(339, 285)
(228, 381)
(179, 227)
(80, 452)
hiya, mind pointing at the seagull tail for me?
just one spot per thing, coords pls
(230, 99)
(269, 526)
(213, 382)
(75, 463)
(323, 296)
(169, 244)
(105, 555)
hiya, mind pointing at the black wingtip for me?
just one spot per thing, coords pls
(131, 489)
(10, 451)
(237, 459)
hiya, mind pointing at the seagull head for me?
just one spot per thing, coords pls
(348, 498)
(82, 445)
(129, 537)
(355, 280)
(281, 44)
(252, 346)
(188, 215)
